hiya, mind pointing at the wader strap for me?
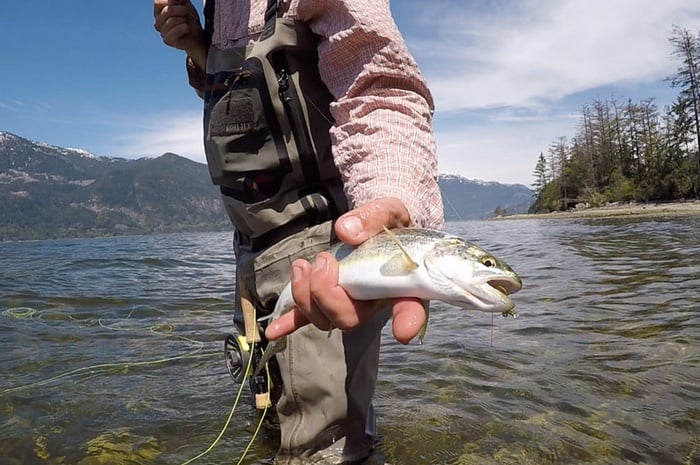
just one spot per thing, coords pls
(270, 17)
(209, 7)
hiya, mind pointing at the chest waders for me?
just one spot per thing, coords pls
(266, 136)
(266, 127)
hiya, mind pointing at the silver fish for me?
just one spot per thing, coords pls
(421, 263)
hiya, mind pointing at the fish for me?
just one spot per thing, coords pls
(426, 264)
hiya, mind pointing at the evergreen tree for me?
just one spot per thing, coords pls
(687, 78)
(626, 152)
(540, 175)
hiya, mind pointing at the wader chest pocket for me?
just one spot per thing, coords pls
(266, 133)
(248, 159)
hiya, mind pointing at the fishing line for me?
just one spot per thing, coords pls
(32, 314)
(165, 330)
(447, 200)
(21, 313)
(260, 422)
(230, 416)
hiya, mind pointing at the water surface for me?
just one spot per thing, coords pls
(111, 352)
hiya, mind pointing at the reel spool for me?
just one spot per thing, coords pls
(266, 387)
(237, 356)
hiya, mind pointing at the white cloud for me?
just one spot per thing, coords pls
(529, 51)
(11, 105)
(503, 149)
(519, 70)
(181, 134)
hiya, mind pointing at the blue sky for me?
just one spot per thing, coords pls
(509, 76)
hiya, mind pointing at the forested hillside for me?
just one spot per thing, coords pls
(630, 151)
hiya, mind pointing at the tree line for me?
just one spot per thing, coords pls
(630, 151)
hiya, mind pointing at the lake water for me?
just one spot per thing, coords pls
(111, 353)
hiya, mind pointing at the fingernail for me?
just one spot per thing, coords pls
(352, 225)
(320, 264)
(297, 273)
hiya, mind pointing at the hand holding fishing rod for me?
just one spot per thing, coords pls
(178, 23)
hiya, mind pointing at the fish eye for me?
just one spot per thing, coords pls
(488, 261)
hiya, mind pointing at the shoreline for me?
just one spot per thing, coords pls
(691, 207)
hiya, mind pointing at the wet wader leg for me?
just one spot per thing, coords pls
(362, 359)
(325, 410)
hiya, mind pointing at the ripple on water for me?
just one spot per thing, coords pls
(600, 368)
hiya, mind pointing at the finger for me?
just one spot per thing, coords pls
(286, 324)
(408, 319)
(169, 7)
(301, 292)
(170, 15)
(158, 6)
(173, 36)
(363, 222)
(330, 298)
(171, 26)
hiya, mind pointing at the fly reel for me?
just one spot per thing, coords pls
(237, 355)
(241, 363)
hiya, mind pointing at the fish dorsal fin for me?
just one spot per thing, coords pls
(401, 263)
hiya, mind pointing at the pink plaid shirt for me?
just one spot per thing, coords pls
(382, 139)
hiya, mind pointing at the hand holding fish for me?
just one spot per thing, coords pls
(321, 301)
(351, 282)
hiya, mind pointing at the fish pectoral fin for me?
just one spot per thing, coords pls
(424, 328)
(410, 262)
(397, 265)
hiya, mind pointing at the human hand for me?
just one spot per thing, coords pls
(177, 21)
(321, 301)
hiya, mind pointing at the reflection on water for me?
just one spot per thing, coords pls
(110, 352)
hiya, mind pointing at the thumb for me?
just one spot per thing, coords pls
(369, 219)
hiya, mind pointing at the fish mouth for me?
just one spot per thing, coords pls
(505, 286)
(492, 294)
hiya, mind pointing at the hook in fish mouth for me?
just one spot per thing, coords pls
(506, 287)
(510, 313)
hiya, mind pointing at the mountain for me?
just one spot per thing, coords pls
(51, 192)
(467, 199)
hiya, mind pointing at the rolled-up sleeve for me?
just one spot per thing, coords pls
(382, 138)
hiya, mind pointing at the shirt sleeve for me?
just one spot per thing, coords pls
(383, 143)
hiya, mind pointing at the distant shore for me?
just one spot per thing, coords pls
(621, 210)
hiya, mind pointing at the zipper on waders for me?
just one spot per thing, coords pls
(292, 106)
